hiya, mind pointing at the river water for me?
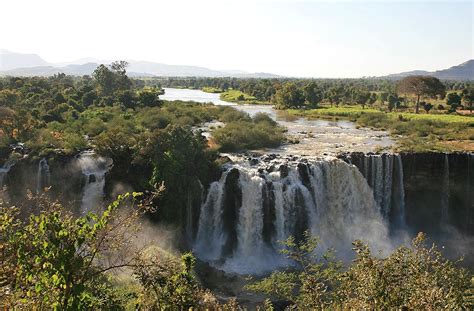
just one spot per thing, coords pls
(316, 137)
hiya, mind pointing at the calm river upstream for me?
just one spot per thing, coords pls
(316, 137)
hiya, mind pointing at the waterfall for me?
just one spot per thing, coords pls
(384, 174)
(43, 176)
(399, 195)
(328, 198)
(381, 180)
(445, 191)
(93, 168)
(210, 237)
(4, 172)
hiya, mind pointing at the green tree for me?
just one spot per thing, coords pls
(334, 95)
(421, 86)
(104, 78)
(112, 79)
(383, 97)
(312, 94)
(392, 102)
(362, 98)
(180, 160)
(16, 125)
(312, 285)
(9, 98)
(372, 99)
(168, 283)
(149, 97)
(468, 97)
(427, 107)
(453, 100)
(289, 96)
(88, 98)
(122, 82)
(127, 98)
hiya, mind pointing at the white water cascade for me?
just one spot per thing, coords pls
(4, 172)
(93, 168)
(272, 201)
(384, 174)
(43, 176)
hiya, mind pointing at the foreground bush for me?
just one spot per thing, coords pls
(413, 277)
(55, 261)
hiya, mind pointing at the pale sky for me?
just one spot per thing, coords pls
(294, 38)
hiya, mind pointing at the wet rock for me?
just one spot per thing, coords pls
(231, 206)
(253, 161)
(270, 168)
(92, 178)
(284, 170)
(269, 213)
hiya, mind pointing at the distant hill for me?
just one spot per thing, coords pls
(17, 64)
(73, 70)
(462, 72)
(10, 60)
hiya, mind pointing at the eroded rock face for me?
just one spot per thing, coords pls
(438, 188)
(232, 202)
(61, 177)
(439, 191)
(65, 180)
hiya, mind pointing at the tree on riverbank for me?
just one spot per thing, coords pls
(421, 86)
(289, 96)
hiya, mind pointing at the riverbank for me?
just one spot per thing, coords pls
(413, 132)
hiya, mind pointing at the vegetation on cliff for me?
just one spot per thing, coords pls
(125, 120)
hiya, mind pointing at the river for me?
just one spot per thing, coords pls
(316, 137)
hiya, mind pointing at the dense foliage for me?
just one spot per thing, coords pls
(125, 120)
(415, 277)
(53, 260)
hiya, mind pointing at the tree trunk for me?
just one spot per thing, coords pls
(417, 104)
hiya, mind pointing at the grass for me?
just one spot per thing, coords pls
(347, 111)
(236, 96)
(209, 89)
(414, 132)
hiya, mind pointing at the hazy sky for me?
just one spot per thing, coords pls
(295, 38)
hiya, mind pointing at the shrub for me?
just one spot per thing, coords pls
(262, 132)
(413, 277)
(55, 261)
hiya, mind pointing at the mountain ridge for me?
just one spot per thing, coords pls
(20, 64)
(28, 64)
(461, 72)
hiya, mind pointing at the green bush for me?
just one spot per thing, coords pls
(53, 260)
(261, 132)
(413, 277)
